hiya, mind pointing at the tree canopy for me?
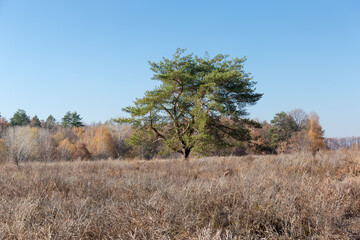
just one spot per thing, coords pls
(50, 122)
(72, 119)
(315, 133)
(199, 101)
(20, 118)
(35, 122)
(282, 127)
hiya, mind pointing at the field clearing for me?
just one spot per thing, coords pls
(251, 197)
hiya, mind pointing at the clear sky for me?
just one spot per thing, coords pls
(91, 56)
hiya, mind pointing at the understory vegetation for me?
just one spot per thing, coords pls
(286, 133)
(294, 196)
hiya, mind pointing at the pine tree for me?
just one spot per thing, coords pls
(50, 122)
(187, 110)
(20, 118)
(35, 122)
(72, 120)
(282, 127)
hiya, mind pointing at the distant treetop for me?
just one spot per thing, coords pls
(20, 118)
(50, 122)
(72, 119)
(35, 122)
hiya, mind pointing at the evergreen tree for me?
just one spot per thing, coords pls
(20, 118)
(50, 122)
(72, 120)
(35, 122)
(200, 101)
(282, 127)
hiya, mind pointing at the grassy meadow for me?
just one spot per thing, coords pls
(252, 197)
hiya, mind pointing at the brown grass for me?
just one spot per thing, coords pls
(253, 197)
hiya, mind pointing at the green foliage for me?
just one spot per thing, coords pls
(72, 120)
(145, 144)
(199, 101)
(282, 126)
(50, 122)
(35, 122)
(20, 118)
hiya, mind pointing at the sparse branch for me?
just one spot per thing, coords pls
(154, 129)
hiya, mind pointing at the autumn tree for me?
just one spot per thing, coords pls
(20, 118)
(47, 151)
(299, 142)
(58, 137)
(315, 133)
(102, 144)
(3, 125)
(120, 134)
(66, 149)
(194, 96)
(21, 143)
(78, 132)
(260, 143)
(3, 151)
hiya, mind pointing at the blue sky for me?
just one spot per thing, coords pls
(91, 56)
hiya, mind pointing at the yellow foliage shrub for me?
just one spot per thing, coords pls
(101, 144)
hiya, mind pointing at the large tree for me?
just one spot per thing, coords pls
(199, 102)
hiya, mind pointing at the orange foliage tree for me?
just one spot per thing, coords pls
(101, 143)
(66, 149)
(315, 133)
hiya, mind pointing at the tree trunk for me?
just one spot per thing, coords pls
(187, 153)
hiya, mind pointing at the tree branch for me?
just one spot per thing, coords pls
(154, 129)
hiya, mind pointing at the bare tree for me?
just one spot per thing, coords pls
(119, 133)
(47, 151)
(3, 151)
(300, 117)
(22, 143)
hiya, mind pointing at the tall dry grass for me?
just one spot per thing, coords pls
(253, 197)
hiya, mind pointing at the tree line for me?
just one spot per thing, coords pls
(198, 108)
(20, 118)
(345, 142)
(30, 139)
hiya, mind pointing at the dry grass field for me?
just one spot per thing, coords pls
(252, 197)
